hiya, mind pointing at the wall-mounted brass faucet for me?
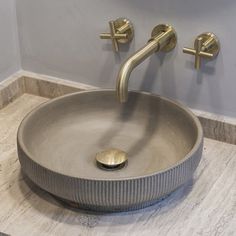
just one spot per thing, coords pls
(206, 45)
(163, 38)
(121, 31)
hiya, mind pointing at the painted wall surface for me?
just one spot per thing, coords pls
(61, 38)
(9, 51)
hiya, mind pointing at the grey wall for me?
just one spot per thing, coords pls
(61, 38)
(9, 51)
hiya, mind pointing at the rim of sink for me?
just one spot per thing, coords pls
(195, 147)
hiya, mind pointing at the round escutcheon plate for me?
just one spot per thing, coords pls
(162, 28)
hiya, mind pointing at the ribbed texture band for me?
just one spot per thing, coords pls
(114, 195)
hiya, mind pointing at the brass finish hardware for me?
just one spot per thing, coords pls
(111, 159)
(163, 38)
(121, 31)
(206, 45)
(166, 36)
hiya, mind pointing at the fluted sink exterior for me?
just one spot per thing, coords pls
(57, 140)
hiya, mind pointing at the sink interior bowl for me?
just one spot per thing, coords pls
(59, 140)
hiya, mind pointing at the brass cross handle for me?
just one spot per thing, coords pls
(206, 45)
(121, 31)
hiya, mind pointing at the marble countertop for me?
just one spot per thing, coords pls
(205, 205)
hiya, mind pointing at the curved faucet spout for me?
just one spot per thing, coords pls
(129, 65)
(163, 38)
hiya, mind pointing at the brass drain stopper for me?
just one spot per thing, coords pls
(111, 159)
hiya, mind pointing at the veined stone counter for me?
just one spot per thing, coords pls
(206, 205)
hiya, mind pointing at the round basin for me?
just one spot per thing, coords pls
(58, 143)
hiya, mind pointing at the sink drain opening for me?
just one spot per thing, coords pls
(111, 159)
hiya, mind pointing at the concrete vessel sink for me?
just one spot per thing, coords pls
(59, 144)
